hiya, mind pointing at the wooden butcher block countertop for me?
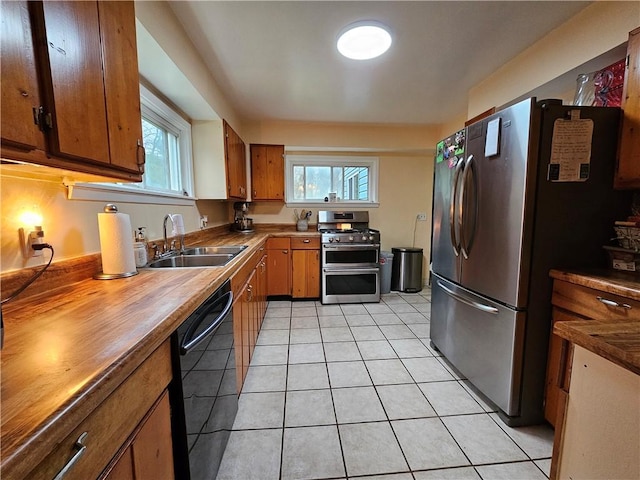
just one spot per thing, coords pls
(615, 340)
(624, 284)
(67, 349)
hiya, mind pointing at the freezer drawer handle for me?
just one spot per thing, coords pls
(466, 301)
(611, 303)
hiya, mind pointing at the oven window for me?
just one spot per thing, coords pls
(351, 256)
(350, 284)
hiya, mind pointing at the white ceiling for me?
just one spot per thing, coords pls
(277, 60)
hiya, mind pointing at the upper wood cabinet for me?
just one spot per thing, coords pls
(267, 172)
(20, 94)
(219, 157)
(628, 168)
(70, 92)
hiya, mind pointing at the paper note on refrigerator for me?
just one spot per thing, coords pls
(492, 140)
(570, 150)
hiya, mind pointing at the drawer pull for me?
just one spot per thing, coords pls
(611, 303)
(81, 448)
(306, 240)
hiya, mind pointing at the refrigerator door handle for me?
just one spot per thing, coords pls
(466, 301)
(465, 244)
(452, 207)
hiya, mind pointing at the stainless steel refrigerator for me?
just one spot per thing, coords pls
(529, 189)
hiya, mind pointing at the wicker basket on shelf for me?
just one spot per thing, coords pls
(628, 237)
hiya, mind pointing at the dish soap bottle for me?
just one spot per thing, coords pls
(140, 247)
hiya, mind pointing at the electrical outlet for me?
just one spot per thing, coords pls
(422, 217)
(29, 239)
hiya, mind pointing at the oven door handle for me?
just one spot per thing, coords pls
(349, 246)
(190, 341)
(353, 270)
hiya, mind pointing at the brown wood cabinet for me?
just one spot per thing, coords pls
(150, 452)
(571, 302)
(279, 266)
(236, 164)
(267, 172)
(117, 424)
(70, 93)
(628, 166)
(575, 302)
(305, 273)
(249, 307)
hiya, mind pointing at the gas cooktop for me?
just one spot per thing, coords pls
(346, 227)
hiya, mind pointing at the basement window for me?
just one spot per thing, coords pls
(320, 179)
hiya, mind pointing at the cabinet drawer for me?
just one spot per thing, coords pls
(278, 242)
(592, 303)
(112, 422)
(305, 243)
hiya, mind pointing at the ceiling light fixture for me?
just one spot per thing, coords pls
(364, 40)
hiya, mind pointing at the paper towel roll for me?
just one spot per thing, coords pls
(116, 244)
(178, 224)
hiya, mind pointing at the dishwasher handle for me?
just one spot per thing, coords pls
(191, 339)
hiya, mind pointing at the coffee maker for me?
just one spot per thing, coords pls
(241, 222)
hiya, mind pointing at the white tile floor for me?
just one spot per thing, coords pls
(355, 391)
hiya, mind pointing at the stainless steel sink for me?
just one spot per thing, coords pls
(225, 250)
(217, 260)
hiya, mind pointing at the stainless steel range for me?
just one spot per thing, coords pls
(350, 253)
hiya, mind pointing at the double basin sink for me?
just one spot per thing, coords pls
(199, 257)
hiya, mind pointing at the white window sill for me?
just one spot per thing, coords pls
(333, 204)
(116, 193)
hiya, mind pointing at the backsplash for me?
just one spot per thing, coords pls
(71, 226)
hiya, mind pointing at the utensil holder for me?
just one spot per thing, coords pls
(302, 225)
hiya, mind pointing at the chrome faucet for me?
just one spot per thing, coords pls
(166, 248)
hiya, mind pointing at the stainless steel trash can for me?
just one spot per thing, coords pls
(386, 264)
(406, 273)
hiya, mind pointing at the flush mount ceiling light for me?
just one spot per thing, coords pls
(364, 40)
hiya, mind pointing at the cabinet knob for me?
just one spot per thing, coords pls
(285, 251)
(306, 240)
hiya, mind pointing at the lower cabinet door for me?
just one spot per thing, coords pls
(150, 453)
(306, 274)
(278, 271)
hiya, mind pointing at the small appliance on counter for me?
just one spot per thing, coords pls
(242, 223)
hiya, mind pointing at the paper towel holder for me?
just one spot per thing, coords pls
(111, 208)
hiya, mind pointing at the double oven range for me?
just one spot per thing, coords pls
(350, 271)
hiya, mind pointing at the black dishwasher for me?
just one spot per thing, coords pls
(204, 350)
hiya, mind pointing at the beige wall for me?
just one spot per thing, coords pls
(71, 226)
(406, 152)
(406, 173)
(600, 27)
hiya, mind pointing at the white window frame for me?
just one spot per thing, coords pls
(156, 110)
(332, 160)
